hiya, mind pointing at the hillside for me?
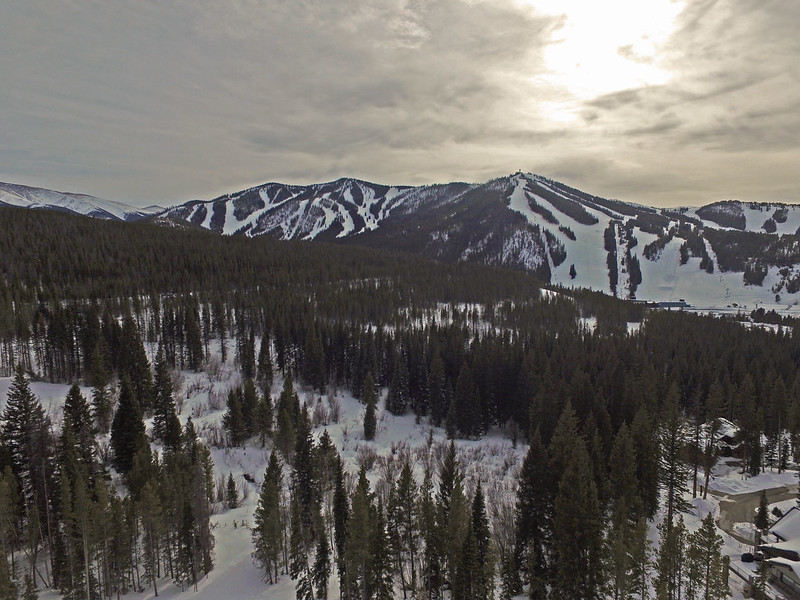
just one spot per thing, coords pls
(718, 255)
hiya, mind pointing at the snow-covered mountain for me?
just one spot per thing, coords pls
(80, 204)
(723, 254)
(726, 253)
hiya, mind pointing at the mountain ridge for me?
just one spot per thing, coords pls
(724, 253)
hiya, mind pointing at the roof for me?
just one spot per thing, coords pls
(789, 550)
(788, 526)
(794, 566)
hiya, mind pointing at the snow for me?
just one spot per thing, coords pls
(728, 479)
(30, 197)
(492, 460)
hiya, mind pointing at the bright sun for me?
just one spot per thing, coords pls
(604, 47)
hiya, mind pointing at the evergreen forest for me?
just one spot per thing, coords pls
(619, 407)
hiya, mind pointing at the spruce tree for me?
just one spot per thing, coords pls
(674, 472)
(533, 512)
(166, 425)
(370, 400)
(233, 420)
(484, 574)
(127, 429)
(399, 396)
(762, 514)
(231, 493)
(267, 522)
(577, 542)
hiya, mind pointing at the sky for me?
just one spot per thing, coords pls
(663, 102)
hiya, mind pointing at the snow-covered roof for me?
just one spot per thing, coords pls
(786, 549)
(788, 526)
(791, 564)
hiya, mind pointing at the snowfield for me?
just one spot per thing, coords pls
(493, 460)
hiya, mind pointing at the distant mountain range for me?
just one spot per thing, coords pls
(80, 204)
(723, 254)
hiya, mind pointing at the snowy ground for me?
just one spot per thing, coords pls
(493, 460)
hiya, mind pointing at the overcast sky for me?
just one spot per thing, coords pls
(662, 102)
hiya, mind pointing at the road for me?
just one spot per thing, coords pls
(740, 508)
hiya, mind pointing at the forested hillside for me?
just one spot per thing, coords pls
(618, 407)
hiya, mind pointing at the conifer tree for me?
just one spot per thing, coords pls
(626, 503)
(25, 437)
(133, 363)
(533, 512)
(577, 542)
(267, 522)
(322, 565)
(380, 565)
(233, 420)
(437, 389)
(370, 400)
(231, 493)
(670, 561)
(432, 551)
(762, 514)
(265, 370)
(673, 470)
(127, 429)
(641, 549)
(402, 526)
(399, 396)
(466, 405)
(484, 574)
(263, 418)
(357, 546)
(705, 552)
(166, 425)
(646, 449)
(340, 516)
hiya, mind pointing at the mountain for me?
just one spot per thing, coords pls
(726, 253)
(81, 204)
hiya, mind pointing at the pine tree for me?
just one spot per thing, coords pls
(380, 565)
(577, 542)
(340, 516)
(670, 561)
(127, 429)
(466, 403)
(674, 472)
(370, 400)
(263, 418)
(24, 436)
(533, 512)
(265, 371)
(705, 547)
(322, 565)
(640, 553)
(402, 526)
(166, 425)
(357, 546)
(399, 396)
(133, 363)
(626, 503)
(231, 493)
(484, 574)
(267, 522)
(432, 550)
(233, 420)
(762, 514)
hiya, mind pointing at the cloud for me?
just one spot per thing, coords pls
(162, 102)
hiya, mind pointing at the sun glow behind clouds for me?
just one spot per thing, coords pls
(603, 47)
